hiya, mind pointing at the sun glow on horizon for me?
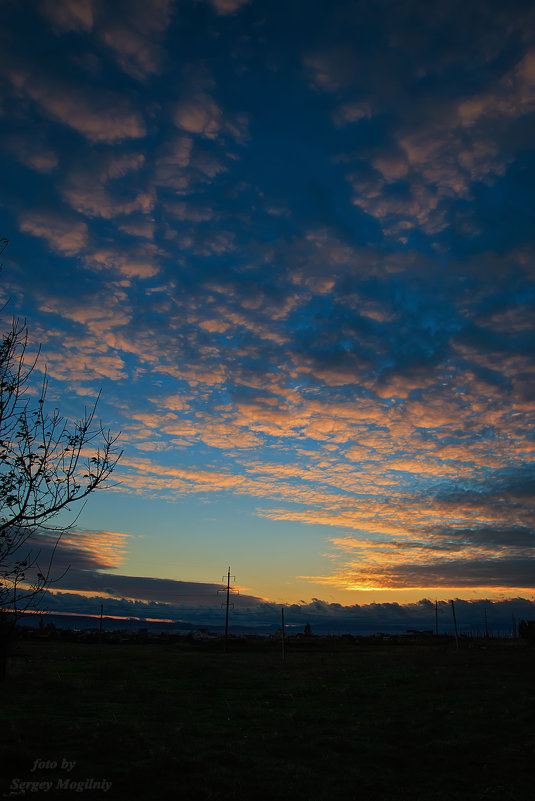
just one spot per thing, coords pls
(300, 273)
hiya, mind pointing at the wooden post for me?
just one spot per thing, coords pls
(228, 604)
(100, 626)
(436, 618)
(486, 625)
(228, 589)
(455, 624)
(282, 631)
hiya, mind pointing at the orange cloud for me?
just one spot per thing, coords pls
(95, 190)
(141, 264)
(225, 7)
(110, 547)
(99, 116)
(199, 115)
(69, 15)
(64, 234)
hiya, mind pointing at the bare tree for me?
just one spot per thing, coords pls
(46, 465)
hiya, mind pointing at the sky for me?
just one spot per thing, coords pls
(292, 244)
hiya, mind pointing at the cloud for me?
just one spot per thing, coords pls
(32, 153)
(200, 114)
(396, 617)
(331, 69)
(103, 187)
(69, 15)
(81, 557)
(100, 116)
(141, 264)
(505, 574)
(134, 33)
(131, 30)
(63, 233)
(351, 112)
(139, 227)
(140, 588)
(193, 603)
(434, 147)
(78, 559)
(184, 166)
(304, 264)
(189, 212)
(57, 553)
(225, 7)
(513, 95)
(83, 364)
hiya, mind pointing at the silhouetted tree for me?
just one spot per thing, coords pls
(46, 465)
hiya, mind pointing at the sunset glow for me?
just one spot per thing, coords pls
(293, 245)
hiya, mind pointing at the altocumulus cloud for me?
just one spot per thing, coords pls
(311, 225)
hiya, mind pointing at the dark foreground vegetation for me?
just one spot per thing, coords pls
(339, 718)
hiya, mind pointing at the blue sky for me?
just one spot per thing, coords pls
(293, 246)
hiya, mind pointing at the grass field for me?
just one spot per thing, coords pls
(336, 719)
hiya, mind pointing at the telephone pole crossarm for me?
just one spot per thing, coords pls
(228, 590)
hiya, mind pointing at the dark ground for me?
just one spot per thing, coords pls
(372, 721)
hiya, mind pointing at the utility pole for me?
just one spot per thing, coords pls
(227, 604)
(436, 618)
(486, 625)
(282, 633)
(455, 624)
